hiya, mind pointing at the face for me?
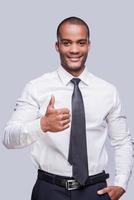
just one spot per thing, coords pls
(73, 47)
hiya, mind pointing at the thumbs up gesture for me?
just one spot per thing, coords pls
(55, 120)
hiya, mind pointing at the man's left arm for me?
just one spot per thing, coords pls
(122, 143)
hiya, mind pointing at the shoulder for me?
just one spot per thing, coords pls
(43, 80)
(102, 84)
(48, 76)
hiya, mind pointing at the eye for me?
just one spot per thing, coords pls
(66, 43)
(82, 43)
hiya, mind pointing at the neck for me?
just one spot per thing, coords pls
(75, 73)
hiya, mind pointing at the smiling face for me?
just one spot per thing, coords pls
(73, 46)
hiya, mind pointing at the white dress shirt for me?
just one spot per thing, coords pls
(104, 116)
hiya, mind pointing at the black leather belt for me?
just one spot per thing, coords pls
(68, 182)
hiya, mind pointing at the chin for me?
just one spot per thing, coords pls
(75, 68)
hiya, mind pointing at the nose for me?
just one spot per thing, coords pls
(74, 49)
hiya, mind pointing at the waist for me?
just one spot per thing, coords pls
(44, 157)
(70, 183)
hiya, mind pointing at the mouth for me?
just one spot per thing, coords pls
(74, 59)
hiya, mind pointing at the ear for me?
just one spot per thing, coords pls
(89, 46)
(57, 46)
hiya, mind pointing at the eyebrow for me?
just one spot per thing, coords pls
(64, 39)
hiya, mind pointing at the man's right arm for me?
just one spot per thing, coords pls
(23, 128)
(27, 125)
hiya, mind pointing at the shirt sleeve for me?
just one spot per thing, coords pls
(24, 126)
(121, 141)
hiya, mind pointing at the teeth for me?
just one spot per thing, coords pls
(74, 59)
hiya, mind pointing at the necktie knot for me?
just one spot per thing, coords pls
(75, 81)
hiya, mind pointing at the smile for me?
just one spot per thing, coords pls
(74, 59)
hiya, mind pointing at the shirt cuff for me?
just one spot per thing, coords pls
(122, 181)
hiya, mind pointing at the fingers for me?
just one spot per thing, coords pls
(63, 111)
(64, 122)
(63, 116)
(103, 191)
(114, 192)
(66, 126)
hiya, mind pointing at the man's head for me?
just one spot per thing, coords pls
(73, 41)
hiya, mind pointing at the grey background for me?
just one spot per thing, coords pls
(27, 37)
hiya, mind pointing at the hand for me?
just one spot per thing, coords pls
(55, 119)
(114, 192)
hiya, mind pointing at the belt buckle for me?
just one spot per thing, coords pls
(72, 185)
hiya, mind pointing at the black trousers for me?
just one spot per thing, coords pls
(43, 190)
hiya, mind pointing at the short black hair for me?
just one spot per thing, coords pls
(73, 20)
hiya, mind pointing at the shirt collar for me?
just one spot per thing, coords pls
(66, 76)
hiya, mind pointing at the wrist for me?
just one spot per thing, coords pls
(43, 124)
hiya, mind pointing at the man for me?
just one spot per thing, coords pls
(65, 115)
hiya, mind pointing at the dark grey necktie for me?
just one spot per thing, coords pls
(78, 148)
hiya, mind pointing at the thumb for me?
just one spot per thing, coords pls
(52, 101)
(103, 191)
